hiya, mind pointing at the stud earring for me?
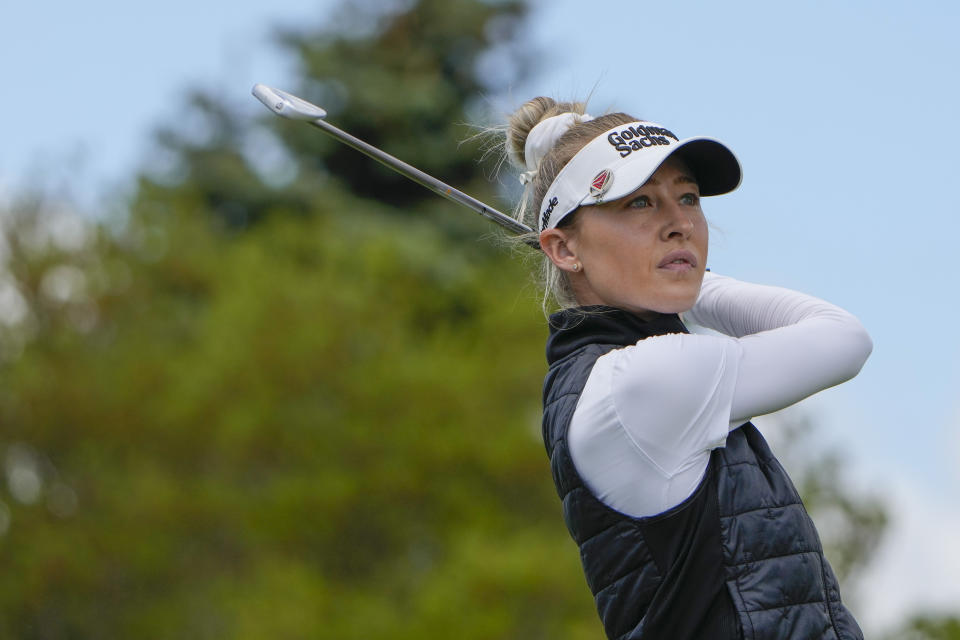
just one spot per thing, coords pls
(576, 266)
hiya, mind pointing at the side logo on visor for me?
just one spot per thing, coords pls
(601, 183)
(545, 219)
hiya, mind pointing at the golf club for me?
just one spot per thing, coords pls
(290, 106)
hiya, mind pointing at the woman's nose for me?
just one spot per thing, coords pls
(679, 221)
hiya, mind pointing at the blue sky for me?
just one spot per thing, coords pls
(842, 114)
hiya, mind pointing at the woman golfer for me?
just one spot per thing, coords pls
(688, 526)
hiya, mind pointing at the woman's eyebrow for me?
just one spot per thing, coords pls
(684, 178)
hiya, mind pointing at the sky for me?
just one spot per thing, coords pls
(842, 114)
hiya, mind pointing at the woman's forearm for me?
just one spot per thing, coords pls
(794, 345)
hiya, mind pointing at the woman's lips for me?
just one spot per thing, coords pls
(680, 260)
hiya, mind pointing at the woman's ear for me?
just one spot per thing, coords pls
(558, 245)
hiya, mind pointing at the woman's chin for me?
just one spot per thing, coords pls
(667, 305)
(676, 297)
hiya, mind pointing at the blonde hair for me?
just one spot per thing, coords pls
(557, 291)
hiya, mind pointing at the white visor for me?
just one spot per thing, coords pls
(619, 161)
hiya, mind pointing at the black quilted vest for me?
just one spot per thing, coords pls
(740, 558)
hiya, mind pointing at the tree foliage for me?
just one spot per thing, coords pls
(930, 627)
(410, 79)
(312, 430)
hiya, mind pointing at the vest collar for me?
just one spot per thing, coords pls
(571, 329)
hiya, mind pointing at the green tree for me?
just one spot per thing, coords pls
(311, 430)
(410, 80)
(323, 426)
(930, 627)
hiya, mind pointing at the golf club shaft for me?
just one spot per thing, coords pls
(428, 181)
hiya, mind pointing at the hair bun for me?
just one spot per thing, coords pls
(529, 115)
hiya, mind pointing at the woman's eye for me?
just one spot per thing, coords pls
(640, 203)
(690, 198)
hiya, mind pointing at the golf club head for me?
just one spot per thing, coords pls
(286, 104)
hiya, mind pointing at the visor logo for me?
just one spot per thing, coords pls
(601, 183)
(545, 219)
(635, 138)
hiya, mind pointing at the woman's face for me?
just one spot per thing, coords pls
(644, 252)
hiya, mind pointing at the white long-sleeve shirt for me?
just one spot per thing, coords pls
(651, 413)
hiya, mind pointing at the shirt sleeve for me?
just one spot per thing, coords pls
(673, 396)
(678, 395)
(791, 345)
